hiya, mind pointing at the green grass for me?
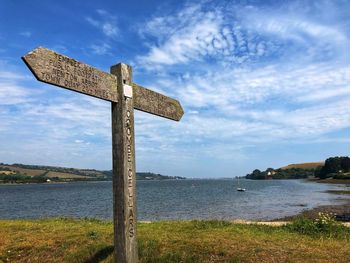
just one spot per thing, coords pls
(69, 240)
(325, 226)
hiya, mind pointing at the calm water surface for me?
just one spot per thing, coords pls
(168, 200)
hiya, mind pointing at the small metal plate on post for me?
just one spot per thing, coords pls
(127, 91)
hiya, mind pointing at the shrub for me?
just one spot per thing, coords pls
(324, 225)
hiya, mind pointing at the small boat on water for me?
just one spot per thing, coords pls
(239, 188)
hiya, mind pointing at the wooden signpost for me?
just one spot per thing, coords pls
(125, 96)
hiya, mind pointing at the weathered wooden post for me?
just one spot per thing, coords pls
(124, 177)
(124, 95)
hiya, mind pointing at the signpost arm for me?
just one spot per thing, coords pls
(124, 173)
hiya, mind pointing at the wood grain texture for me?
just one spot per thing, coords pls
(124, 173)
(53, 68)
(155, 103)
(59, 70)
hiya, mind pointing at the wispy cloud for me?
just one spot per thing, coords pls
(46, 121)
(100, 49)
(105, 22)
(186, 36)
(200, 33)
(248, 75)
(237, 34)
(107, 25)
(12, 94)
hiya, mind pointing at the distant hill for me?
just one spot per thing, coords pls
(306, 166)
(337, 167)
(291, 171)
(23, 173)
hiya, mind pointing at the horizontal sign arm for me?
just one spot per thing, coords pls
(59, 70)
(155, 103)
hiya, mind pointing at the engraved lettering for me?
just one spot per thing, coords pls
(131, 223)
(68, 73)
(129, 152)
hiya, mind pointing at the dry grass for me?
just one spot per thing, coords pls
(303, 165)
(50, 174)
(7, 172)
(67, 240)
(28, 172)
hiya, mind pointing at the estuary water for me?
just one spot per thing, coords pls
(169, 199)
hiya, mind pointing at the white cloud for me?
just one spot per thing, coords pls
(237, 34)
(41, 123)
(100, 49)
(197, 34)
(188, 35)
(12, 94)
(92, 21)
(105, 22)
(110, 30)
(245, 79)
(268, 104)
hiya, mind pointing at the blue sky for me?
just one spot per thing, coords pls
(263, 83)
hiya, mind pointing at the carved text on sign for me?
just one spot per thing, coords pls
(130, 195)
(59, 70)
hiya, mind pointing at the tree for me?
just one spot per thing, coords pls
(256, 172)
(332, 166)
(345, 163)
(317, 172)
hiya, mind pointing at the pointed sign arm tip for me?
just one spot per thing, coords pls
(155, 103)
(50, 67)
(26, 61)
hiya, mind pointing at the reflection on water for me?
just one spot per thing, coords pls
(168, 200)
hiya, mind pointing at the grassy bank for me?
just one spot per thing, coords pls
(68, 240)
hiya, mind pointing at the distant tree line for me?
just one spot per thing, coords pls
(146, 176)
(20, 178)
(153, 176)
(336, 167)
(270, 173)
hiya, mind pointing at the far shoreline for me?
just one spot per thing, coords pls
(84, 181)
